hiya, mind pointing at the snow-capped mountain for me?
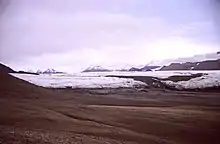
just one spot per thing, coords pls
(96, 69)
(144, 68)
(39, 71)
(48, 71)
(127, 68)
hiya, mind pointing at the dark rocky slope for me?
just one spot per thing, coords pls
(6, 69)
(203, 65)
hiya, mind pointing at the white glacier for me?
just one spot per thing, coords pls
(98, 79)
(63, 81)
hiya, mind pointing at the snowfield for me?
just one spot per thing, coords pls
(98, 79)
(63, 81)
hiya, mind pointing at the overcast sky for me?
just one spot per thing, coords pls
(71, 35)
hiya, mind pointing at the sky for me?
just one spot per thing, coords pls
(71, 35)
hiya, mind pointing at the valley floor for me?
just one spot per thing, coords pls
(32, 114)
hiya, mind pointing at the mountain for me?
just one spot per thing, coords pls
(203, 65)
(124, 69)
(96, 69)
(6, 69)
(149, 68)
(145, 68)
(208, 65)
(49, 71)
(128, 67)
(39, 71)
(134, 69)
(195, 58)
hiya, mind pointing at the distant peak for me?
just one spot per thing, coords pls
(48, 71)
(96, 69)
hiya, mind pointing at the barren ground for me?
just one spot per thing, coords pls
(32, 114)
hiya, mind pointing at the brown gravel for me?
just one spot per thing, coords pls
(32, 114)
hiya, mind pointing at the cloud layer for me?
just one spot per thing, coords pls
(71, 35)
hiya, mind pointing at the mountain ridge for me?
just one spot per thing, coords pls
(49, 71)
(96, 69)
(101, 69)
(202, 65)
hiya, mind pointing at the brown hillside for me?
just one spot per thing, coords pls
(32, 114)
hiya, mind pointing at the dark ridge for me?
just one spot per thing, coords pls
(24, 72)
(203, 65)
(177, 78)
(12, 87)
(149, 79)
(6, 69)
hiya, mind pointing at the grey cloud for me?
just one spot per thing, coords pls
(33, 30)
